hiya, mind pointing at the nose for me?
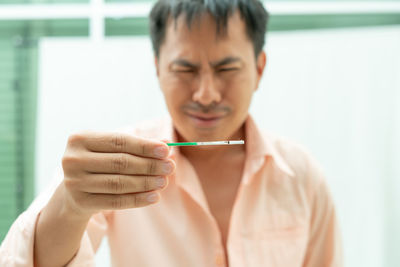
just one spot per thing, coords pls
(207, 91)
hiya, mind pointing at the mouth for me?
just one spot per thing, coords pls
(202, 120)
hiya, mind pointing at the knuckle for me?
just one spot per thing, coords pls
(141, 147)
(115, 184)
(146, 183)
(120, 163)
(151, 167)
(76, 138)
(118, 141)
(117, 202)
(69, 161)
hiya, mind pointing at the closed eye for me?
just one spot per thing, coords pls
(184, 71)
(227, 69)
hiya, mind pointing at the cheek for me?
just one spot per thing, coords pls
(172, 83)
(239, 90)
(174, 93)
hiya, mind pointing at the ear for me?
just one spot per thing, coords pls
(260, 65)
(156, 65)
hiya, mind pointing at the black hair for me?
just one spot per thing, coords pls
(252, 12)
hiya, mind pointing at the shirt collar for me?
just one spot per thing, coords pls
(260, 145)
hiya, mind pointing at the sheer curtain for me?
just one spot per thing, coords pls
(335, 91)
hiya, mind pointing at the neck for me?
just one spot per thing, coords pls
(212, 153)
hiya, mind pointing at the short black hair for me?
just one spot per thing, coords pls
(252, 12)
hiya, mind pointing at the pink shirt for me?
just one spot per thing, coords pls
(283, 215)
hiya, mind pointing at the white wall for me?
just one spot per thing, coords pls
(336, 91)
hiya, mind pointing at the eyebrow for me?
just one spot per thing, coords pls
(222, 62)
(184, 63)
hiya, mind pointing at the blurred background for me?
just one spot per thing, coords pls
(332, 83)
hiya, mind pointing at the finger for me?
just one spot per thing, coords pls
(121, 163)
(121, 142)
(118, 184)
(118, 202)
(166, 141)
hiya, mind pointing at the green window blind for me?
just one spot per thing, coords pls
(8, 155)
(18, 82)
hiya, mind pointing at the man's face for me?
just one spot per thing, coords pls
(208, 80)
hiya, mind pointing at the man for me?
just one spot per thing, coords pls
(262, 204)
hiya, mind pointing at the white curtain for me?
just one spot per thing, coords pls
(335, 91)
(338, 92)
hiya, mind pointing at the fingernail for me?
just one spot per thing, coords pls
(152, 198)
(160, 182)
(167, 167)
(161, 152)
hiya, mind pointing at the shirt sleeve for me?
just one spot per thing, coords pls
(16, 249)
(325, 246)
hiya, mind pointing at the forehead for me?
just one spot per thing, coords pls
(202, 35)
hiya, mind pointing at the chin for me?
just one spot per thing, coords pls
(210, 134)
(213, 128)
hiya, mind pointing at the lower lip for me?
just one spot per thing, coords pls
(201, 123)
